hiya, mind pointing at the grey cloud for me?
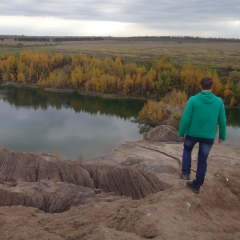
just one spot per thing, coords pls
(155, 15)
(126, 11)
(186, 11)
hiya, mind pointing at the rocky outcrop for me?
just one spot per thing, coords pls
(54, 185)
(162, 133)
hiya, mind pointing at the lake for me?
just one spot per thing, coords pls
(74, 126)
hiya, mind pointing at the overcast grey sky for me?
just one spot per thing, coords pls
(219, 18)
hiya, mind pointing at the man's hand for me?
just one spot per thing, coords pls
(220, 141)
(182, 138)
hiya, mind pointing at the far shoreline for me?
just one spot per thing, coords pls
(94, 94)
(71, 91)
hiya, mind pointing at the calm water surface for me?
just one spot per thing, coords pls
(233, 126)
(79, 127)
(76, 126)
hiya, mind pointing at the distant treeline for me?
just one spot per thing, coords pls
(112, 76)
(178, 39)
(56, 39)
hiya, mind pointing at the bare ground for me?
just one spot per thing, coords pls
(173, 212)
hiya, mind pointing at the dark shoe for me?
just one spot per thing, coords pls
(190, 185)
(184, 177)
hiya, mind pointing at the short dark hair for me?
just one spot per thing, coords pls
(206, 83)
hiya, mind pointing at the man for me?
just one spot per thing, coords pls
(198, 124)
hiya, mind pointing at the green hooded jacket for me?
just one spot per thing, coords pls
(201, 116)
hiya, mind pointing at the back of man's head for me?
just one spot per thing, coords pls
(206, 83)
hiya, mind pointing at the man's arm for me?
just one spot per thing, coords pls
(185, 119)
(222, 123)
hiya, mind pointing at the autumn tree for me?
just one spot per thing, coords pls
(9, 68)
(57, 79)
(175, 98)
(128, 84)
(167, 76)
(117, 67)
(77, 78)
(154, 112)
(150, 79)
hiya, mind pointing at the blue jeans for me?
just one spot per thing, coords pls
(205, 145)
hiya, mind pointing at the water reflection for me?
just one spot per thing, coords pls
(233, 117)
(233, 126)
(77, 126)
(38, 99)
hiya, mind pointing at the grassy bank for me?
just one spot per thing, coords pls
(217, 54)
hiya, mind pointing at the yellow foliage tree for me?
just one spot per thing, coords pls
(232, 102)
(21, 77)
(77, 77)
(227, 91)
(217, 85)
(128, 84)
(153, 112)
(175, 98)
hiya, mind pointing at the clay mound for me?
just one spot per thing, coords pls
(125, 181)
(25, 174)
(29, 167)
(162, 133)
(46, 195)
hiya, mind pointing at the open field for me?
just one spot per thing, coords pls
(219, 54)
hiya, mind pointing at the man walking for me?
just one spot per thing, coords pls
(198, 124)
